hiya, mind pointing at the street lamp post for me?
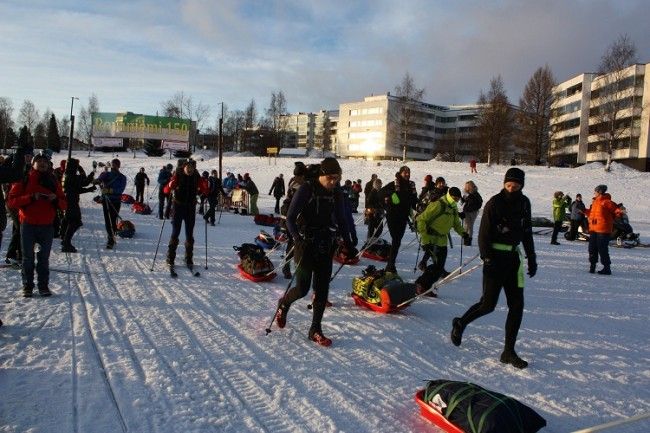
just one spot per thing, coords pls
(71, 127)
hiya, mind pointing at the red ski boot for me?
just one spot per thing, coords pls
(281, 315)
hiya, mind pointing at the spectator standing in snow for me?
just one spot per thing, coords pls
(214, 191)
(184, 186)
(313, 208)
(472, 166)
(113, 184)
(601, 216)
(399, 197)
(374, 211)
(140, 179)
(559, 210)
(37, 199)
(577, 217)
(472, 202)
(253, 194)
(75, 182)
(505, 224)
(277, 190)
(295, 183)
(368, 187)
(427, 187)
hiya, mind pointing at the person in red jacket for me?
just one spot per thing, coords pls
(601, 217)
(37, 199)
(184, 186)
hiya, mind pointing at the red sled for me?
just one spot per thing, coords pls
(430, 413)
(390, 297)
(127, 199)
(255, 278)
(344, 261)
(369, 255)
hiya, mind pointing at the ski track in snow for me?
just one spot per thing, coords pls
(121, 348)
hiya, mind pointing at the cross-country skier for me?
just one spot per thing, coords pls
(314, 207)
(164, 200)
(184, 186)
(506, 223)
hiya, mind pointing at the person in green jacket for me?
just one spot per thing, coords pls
(559, 210)
(433, 226)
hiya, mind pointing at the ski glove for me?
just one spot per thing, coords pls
(532, 265)
(461, 215)
(466, 236)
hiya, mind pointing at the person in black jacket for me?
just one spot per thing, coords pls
(75, 182)
(313, 208)
(374, 211)
(505, 224)
(164, 176)
(277, 190)
(294, 185)
(399, 198)
(214, 191)
(472, 202)
(368, 188)
(140, 179)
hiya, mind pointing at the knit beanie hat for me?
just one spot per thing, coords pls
(515, 174)
(428, 178)
(454, 192)
(330, 166)
(299, 170)
(601, 189)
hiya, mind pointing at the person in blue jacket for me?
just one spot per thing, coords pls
(164, 200)
(112, 184)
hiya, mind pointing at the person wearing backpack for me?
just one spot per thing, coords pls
(559, 210)
(184, 186)
(506, 223)
(472, 202)
(214, 190)
(430, 193)
(140, 179)
(314, 207)
(399, 198)
(374, 212)
(277, 190)
(434, 225)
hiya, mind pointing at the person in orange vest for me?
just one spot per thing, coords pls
(601, 217)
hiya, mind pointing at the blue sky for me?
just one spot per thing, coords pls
(135, 54)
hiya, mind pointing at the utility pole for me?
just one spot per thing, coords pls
(71, 128)
(221, 142)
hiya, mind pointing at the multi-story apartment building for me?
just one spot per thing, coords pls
(383, 126)
(308, 130)
(592, 113)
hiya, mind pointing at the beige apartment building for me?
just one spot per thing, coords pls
(592, 112)
(376, 128)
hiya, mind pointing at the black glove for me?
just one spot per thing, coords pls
(532, 265)
(466, 237)
(349, 251)
(355, 240)
(461, 215)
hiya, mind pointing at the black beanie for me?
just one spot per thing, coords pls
(299, 170)
(454, 192)
(515, 174)
(330, 166)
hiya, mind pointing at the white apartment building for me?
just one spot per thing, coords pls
(373, 129)
(306, 130)
(585, 108)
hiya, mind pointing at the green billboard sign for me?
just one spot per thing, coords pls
(131, 125)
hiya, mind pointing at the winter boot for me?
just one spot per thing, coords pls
(286, 271)
(467, 242)
(110, 244)
(457, 329)
(316, 335)
(171, 251)
(28, 291)
(189, 253)
(44, 291)
(592, 268)
(68, 248)
(510, 357)
(605, 270)
(281, 314)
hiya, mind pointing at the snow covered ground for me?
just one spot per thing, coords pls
(120, 348)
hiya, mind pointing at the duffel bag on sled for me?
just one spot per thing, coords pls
(265, 240)
(253, 263)
(380, 250)
(125, 229)
(458, 407)
(381, 291)
(141, 208)
(266, 220)
(127, 199)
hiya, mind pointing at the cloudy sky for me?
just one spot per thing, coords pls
(135, 54)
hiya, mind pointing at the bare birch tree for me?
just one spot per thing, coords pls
(535, 114)
(494, 121)
(404, 120)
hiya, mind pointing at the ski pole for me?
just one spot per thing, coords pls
(461, 257)
(417, 256)
(162, 226)
(206, 244)
(275, 312)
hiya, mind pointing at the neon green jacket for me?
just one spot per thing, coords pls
(559, 208)
(437, 220)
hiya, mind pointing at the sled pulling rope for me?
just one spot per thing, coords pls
(616, 423)
(456, 273)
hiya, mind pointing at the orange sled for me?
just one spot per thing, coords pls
(430, 413)
(391, 296)
(256, 278)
